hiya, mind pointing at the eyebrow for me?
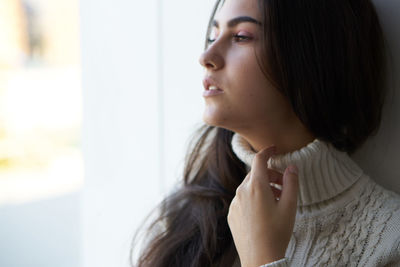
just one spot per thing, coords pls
(235, 21)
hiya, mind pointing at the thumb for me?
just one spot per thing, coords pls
(290, 187)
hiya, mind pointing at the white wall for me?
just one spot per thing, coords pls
(142, 96)
(43, 233)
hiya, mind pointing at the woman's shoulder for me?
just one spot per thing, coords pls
(374, 223)
(375, 207)
(387, 199)
(384, 209)
(384, 201)
(386, 230)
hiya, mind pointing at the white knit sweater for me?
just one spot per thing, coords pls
(343, 217)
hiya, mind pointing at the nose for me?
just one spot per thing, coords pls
(211, 59)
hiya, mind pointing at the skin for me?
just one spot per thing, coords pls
(250, 105)
(261, 226)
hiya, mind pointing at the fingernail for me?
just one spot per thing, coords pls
(293, 169)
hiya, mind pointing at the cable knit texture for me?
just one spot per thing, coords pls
(344, 218)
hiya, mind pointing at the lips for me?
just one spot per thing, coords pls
(208, 81)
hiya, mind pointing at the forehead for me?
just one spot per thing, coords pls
(235, 8)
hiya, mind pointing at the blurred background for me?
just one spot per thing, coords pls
(41, 164)
(93, 96)
(41, 103)
(98, 100)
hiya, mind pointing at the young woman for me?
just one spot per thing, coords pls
(308, 78)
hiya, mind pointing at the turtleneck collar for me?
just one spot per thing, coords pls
(324, 171)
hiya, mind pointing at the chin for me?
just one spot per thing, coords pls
(209, 121)
(215, 119)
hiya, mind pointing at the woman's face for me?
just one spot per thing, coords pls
(248, 99)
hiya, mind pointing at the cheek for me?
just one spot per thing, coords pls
(246, 71)
(253, 100)
(250, 86)
(252, 94)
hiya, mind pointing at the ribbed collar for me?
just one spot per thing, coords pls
(324, 171)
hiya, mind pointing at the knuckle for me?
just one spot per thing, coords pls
(254, 186)
(257, 183)
(258, 156)
(239, 190)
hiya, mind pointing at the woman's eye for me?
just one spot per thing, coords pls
(210, 40)
(241, 37)
(236, 36)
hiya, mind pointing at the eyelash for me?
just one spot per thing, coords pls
(236, 36)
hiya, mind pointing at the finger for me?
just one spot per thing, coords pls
(275, 182)
(243, 183)
(246, 179)
(277, 192)
(259, 166)
(275, 176)
(247, 176)
(288, 199)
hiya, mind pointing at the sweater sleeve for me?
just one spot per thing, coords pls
(394, 255)
(279, 263)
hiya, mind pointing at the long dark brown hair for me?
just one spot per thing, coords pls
(328, 58)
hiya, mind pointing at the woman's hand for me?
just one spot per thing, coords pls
(262, 226)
